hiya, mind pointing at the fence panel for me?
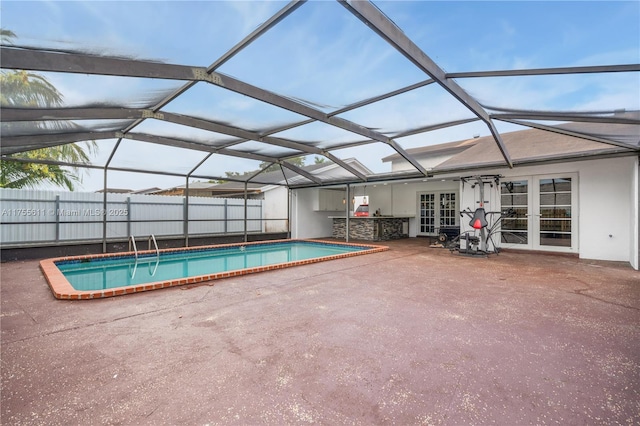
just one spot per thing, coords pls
(35, 216)
(207, 215)
(79, 216)
(27, 215)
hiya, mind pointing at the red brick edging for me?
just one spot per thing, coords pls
(62, 289)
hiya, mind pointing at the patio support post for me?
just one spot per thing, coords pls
(245, 211)
(185, 223)
(186, 208)
(289, 195)
(104, 210)
(128, 215)
(347, 208)
(57, 218)
(226, 216)
(104, 199)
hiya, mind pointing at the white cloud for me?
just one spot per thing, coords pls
(253, 13)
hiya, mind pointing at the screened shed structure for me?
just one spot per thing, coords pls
(208, 88)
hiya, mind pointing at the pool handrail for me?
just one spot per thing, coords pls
(155, 244)
(153, 238)
(132, 240)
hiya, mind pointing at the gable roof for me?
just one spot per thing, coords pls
(274, 178)
(130, 191)
(529, 146)
(438, 149)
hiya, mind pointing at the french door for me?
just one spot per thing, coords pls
(543, 208)
(436, 209)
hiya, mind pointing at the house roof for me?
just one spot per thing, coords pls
(438, 149)
(267, 179)
(533, 145)
(147, 190)
(528, 146)
(130, 191)
(116, 190)
(214, 187)
(277, 177)
(198, 185)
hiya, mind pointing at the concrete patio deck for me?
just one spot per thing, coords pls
(413, 335)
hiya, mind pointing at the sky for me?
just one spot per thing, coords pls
(325, 56)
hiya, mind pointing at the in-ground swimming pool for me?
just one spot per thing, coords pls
(89, 277)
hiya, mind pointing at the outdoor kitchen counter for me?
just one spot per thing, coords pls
(371, 228)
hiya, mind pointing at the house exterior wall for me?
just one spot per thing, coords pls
(404, 198)
(305, 221)
(390, 199)
(607, 205)
(607, 210)
(276, 209)
(427, 162)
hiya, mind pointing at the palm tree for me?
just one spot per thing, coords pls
(22, 89)
(6, 36)
(296, 161)
(20, 174)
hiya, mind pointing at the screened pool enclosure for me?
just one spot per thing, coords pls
(224, 91)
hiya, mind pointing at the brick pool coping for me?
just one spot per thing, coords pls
(62, 289)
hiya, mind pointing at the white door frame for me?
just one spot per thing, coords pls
(534, 213)
(437, 219)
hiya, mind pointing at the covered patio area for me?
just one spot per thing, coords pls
(413, 335)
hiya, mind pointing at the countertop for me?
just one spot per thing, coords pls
(374, 217)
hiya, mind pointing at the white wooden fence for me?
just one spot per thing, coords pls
(35, 216)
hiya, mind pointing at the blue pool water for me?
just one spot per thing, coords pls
(107, 273)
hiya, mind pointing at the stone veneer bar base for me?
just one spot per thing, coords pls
(370, 228)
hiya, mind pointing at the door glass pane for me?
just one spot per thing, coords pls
(448, 209)
(555, 199)
(514, 224)
(514, 199)
(427, 213)
(555, 212)
(555, 239)
(513, 195)
(514, 237)
(561, 225)
(555, 185)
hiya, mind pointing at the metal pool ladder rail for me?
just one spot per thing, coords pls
(155, 268)
(132, 242)
(155, 244)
